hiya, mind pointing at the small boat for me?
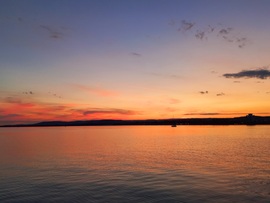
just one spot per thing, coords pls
(173, 125)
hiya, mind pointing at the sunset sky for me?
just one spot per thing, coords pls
(133, 59)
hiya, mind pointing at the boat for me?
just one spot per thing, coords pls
(173, 125)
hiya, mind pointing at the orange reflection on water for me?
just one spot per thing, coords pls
(193, 148)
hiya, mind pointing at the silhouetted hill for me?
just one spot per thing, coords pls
(245, 120)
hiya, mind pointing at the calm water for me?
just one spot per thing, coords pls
(135, 164)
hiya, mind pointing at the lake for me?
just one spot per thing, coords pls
(135, 164)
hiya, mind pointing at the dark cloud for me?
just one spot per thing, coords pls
(201, 114)
(9, 116)
(9, 119)
(210, 29)
(218, 114)
(225, 31)
(108, 111)
(220, 94)
(228, 34)
(242, 42)
(203, 92)
(228, 39)
(258, 73)
(28, 92)
(200, 35)
(185, 25)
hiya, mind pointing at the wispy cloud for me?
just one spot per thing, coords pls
(135, 54)
(18, 103)
(53, 32)
(201, 114)
(96, 90)
(260, 73)
(226, 33)
(18, 110)
(185, 25)
(55, 95)
(174, 101)
(232, 114)
(200, 34)
(173, 76)
(108, 111)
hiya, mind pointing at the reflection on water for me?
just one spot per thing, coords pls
(135, 164)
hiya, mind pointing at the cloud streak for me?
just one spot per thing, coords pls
(96, 90)
(55, 34)
(109, 111)
(261, 73)
(201, 114)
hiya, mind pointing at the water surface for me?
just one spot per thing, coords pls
(135, 164)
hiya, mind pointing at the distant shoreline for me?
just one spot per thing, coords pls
(245, 120)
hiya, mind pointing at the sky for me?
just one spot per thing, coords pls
(133, 59)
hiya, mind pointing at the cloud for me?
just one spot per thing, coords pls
(200, 35)
(210, 29)
(220, 94)
(53, 32)
(55, 95)
(242, 41)
(12, 100)
(226, 33)
(8, 119)
(96, 90)
(185, 25)
(29, 92)
(201, 114)
(173, 76)
(9, 116)
(261, 73)
(18, 102)
(203, 92)
(135, 54)
(108, 111)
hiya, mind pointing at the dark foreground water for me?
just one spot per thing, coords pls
(135, 164)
